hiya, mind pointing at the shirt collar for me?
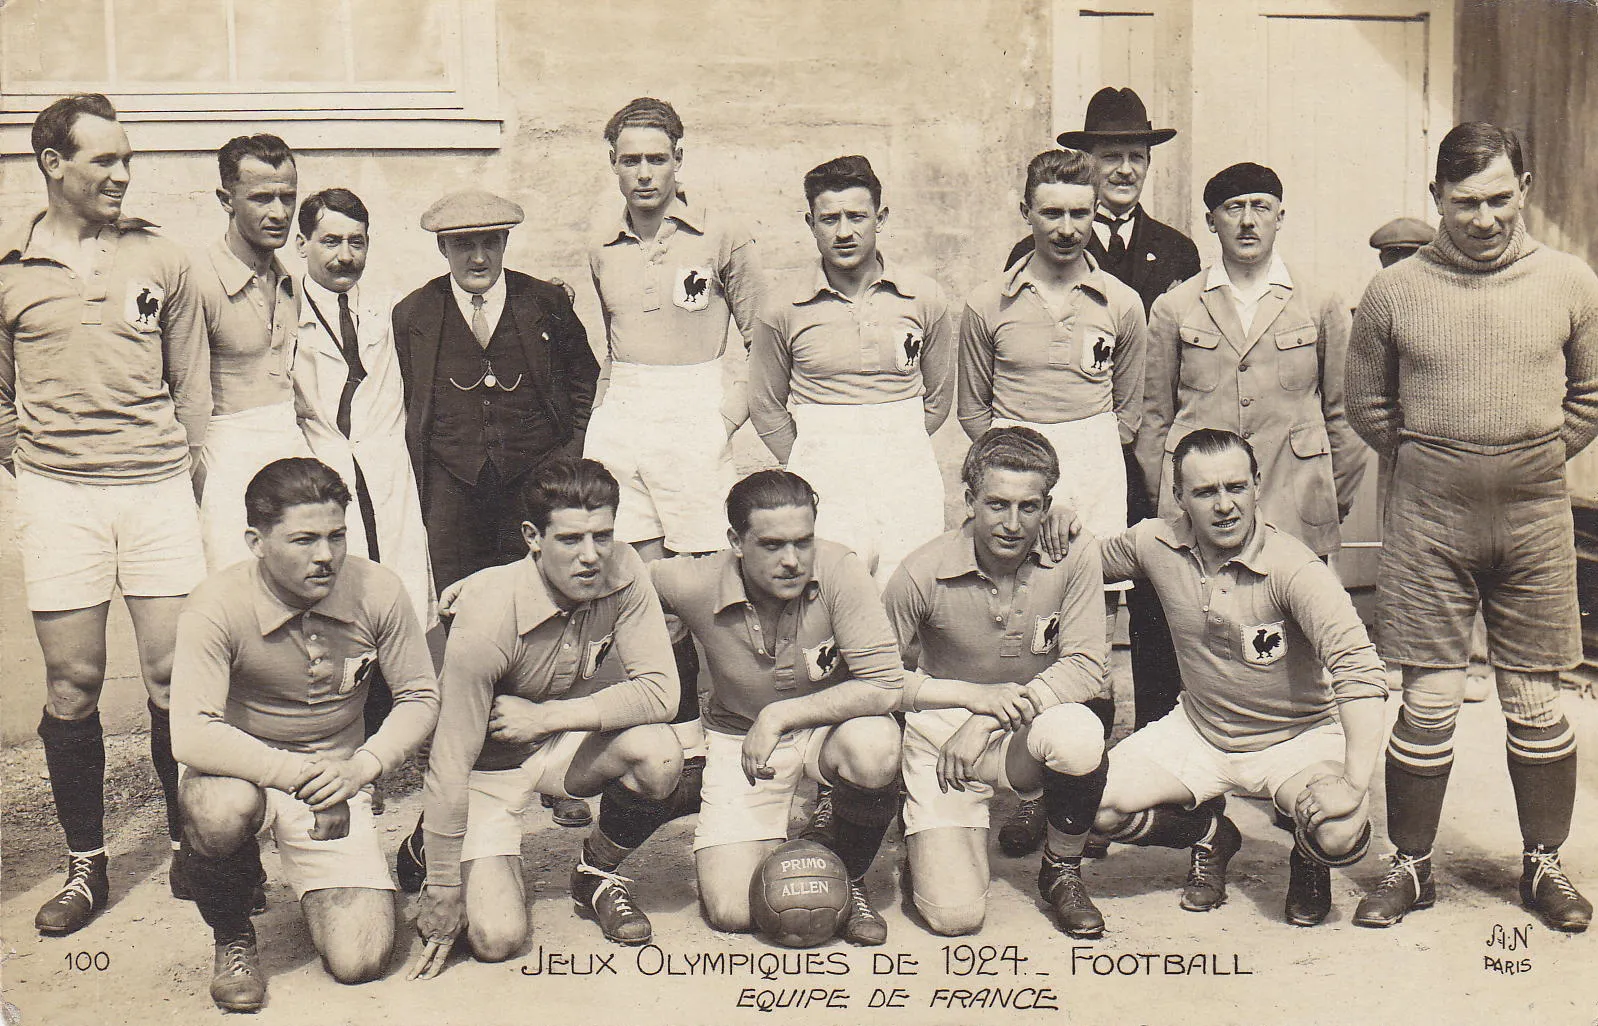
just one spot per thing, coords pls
(1021, 275)
(325, 299)
(1277, 275)
(494, 295)
(15, 241)
(730, 589)
(679, 209)
(1178, 534)
(959, 556)
(885, 277)
(1131, 215)
(535, 605)
(271, 612)
(234, 273)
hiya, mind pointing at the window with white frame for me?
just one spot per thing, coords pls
(322, 73)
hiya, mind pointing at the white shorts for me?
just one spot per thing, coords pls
(733, 812)
(873, 468)
(497, 800)
(1173, 744)
(79, 541)
(237, 446)
(928, 808)
(355, 860)
(660, 432)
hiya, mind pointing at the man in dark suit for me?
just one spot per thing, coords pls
(498, 379)
(1151, 257)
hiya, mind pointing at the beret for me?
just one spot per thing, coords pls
(1241, 180)
(472, 210)
(1403, 231)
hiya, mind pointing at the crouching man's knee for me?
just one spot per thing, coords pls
(220, 813)
(955, 920)
(1067, 738)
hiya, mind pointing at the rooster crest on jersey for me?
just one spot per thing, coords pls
(822, 660)
(691, 290)
(1265, 643)
(144, 304)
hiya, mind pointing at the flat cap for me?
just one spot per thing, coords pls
(1241, 180)
(471, 210)
(1406, 232)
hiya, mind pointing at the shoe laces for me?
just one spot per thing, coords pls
(1068, 877)
(1546, 867)
(821, 818)
(862, 904)
(1402, 866)
(1310, 877)
(1203, 868)
(620, 900)
(79, 869)
(239, 956)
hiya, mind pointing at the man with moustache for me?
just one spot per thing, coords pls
(251, 315)
(1474, 368)
(274, 656)
(1152, 257)
(527, 711)
(351, 403)
(865, 352)
(668, 276)
(104, 399)
(1283, 689)
(1248, 347)
(498, 378)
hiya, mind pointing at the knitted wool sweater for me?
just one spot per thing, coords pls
(1490, 353)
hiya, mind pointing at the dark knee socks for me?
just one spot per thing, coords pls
(223, 887)
(626, 819)
(860, 818)
(1071, 802)
(166, 767)
(74, 753)
(1171, 826)
(1542, 768)
(687, 659)
(1419, 760)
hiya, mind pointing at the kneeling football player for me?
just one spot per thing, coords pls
(524, 713)
(1008, 642)
(274, 656)
(805, 671)
(1282, 689)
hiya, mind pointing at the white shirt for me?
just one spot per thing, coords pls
(1124, 230)
(1247, 301)
(493, 302)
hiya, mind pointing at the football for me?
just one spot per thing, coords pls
(799, 895)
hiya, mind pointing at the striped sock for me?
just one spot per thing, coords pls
(1542, 768)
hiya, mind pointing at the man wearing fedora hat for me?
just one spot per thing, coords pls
(498, 379)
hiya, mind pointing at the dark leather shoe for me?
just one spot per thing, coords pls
(1024, 832)
(84, 894)
(568, 812)
(1061, 885)
(603, 897)
(1546, 890)
(1309, 890)
(1206, 870)
(236, 981)
(1406, 887)
(864, 924)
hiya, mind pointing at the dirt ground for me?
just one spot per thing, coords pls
(1156, 964)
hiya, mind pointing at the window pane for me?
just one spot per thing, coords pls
(291, 41)
(55, 41)
(171, 41)
(402, 41)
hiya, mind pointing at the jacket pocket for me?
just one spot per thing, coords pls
(1317, 494)
(1298, 358)
(1201, 363)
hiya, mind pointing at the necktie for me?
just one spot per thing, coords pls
(1115, 252)
(479, 321)
(355, 372)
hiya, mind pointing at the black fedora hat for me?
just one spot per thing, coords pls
(1116, 114)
